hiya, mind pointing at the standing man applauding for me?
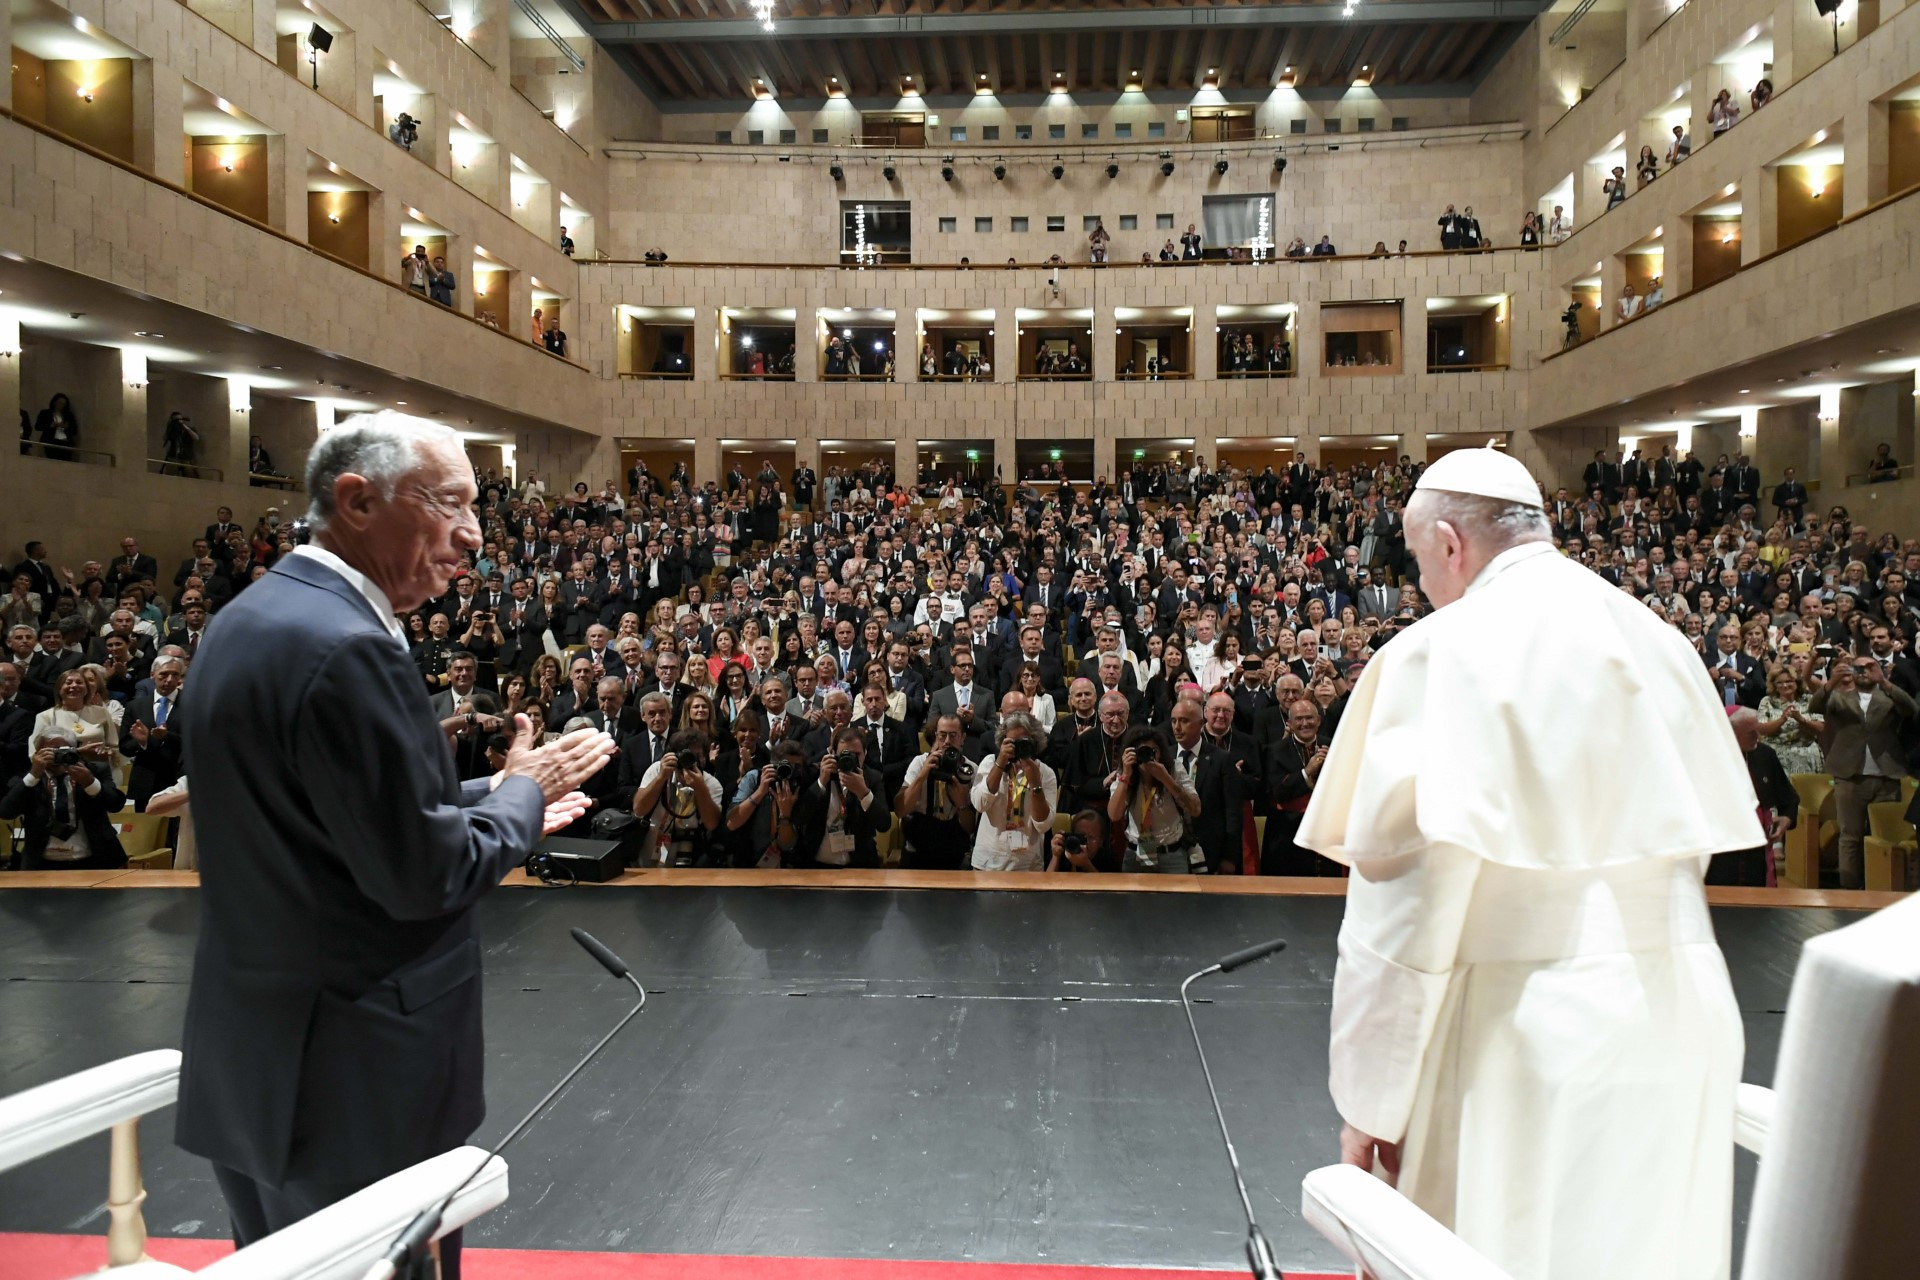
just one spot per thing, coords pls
(333, 1027)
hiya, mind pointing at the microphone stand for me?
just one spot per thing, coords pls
(1259, 1248)
(427, 1222)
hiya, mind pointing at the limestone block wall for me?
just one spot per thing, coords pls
(805, 112)
(745, 205)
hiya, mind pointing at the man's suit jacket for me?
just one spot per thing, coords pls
(1855, 732)
(1052, 674)
(864, 823)
(893, 758)
(139, 568)
(1753, 680)
(41, 676)
(1379, 601)
(1218, 828)
(158, 764)
(333, 1025)
(16, 732)
(945, 702)
(34, 806)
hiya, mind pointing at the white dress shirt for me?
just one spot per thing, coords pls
(382, 607)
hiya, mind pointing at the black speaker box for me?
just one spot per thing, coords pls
(591, 861)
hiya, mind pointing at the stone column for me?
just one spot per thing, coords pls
(1613, 280)
(708, 358)
(382, 236)
(906, 452)
(460, 263)
(906, 353)
(159, 125)
(6, 90)
(123, 426)
(1759, 214)
(1865, 168)
(10, 405)
(233, 458)
(1006, 356)
(1309, 347)
(1105, 367)
(287, 185)
(516, 317)
(1676, 267)
(1413, 336)
(1203, 349)
(1308, 445)
(1413, 444)
(706, 458)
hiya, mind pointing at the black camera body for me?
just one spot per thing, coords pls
(1073, 842)
(949, 765)
(66, 757)
(1025, 749)
(847, 761)
(785, 773)
(1146, 753)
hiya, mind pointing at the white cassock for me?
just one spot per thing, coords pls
(1529, 994)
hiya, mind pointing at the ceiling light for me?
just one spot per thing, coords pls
(1220, 165)
(999, 172)
(889, 173)
(837, 173)
(1058, 171)
(1113, 171)
(1166, 168)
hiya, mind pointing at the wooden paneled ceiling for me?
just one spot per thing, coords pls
(713, 50)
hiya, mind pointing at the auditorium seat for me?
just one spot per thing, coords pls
(1816, 826)
(1838, 1135)
(140, 837)
(1889, 847)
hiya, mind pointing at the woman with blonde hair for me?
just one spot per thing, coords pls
(74, 711)
(1787, 721)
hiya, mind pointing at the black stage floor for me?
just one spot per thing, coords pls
(927, 1075)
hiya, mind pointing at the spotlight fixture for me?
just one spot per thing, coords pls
(888, 173)
(1058, 171)
(999, 173)
(1113, 171)
(837, 173)
(946, 172)
(1279, 164)
(1166, 168)
(1220, 165)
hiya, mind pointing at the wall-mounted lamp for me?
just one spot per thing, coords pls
(85, 91)
(1829, 411)
(9, 337)
(133, 367)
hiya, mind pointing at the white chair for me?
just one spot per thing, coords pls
(1838, 1135)
(111, 1097)
(338, 1243)
(343, 1240)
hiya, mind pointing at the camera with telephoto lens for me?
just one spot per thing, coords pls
(66, 757)
(1146, 753)
(847, 761)
(949, 765)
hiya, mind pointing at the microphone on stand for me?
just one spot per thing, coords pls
(427, 1221)
(1259, 1248)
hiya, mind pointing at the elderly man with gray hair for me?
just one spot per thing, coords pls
(1533, 1027)
(66, 804)
(1015, 794)
(333, 1029)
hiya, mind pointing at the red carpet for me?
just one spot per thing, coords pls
(56, 1257)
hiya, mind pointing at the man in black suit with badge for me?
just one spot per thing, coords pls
(333, 1030)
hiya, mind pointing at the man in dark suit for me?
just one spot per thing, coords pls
(67, 810)
(1032, 649)
(468, 715)
(150, 738)
(641, 751)
(131, 566)
(333, 1027)
(1864, 712)
(16, 724)
(192, 629)
(840, 816)
(46, 583)
(1737, 676)
(890, 744)
(1217, 827)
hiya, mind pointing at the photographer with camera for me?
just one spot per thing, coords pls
(936, 803)
(761, 825)
(1571, 318)
(680, 803)
(1086, 847)
(842, 813)
(67, 803)
(1155, 799)
(1016, 795)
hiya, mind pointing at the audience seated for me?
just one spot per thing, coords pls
(989, 662)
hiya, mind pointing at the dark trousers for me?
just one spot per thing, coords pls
(259, 1210)
(1280, 856)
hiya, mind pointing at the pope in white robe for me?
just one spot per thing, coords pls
(1533, 1027)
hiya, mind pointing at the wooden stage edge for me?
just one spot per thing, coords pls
(1022, 881)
